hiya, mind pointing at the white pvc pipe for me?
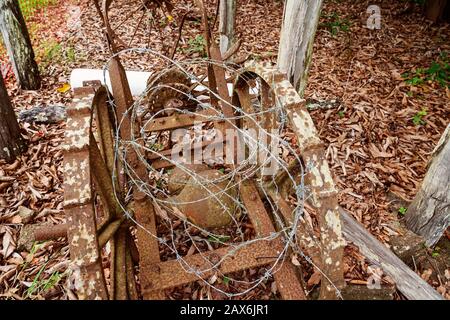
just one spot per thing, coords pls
(136, 79)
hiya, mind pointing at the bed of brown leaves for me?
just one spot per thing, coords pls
(374, 147)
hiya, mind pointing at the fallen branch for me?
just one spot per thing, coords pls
(407, 281)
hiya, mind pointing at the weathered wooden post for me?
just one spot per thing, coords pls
(297, 38)
(11, 142)
(227, 20)
(18, 45)
(429, 213)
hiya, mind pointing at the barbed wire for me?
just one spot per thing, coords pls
(233, 176)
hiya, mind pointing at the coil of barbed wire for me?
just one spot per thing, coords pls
(188, 95)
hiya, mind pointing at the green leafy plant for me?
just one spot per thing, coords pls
(28, 7)
(417, 119)
(341, 113)
(70, 54)
(435, 252)
(334, 23)
(156, 147)
(402, 211)
(218, 239)
(42, 285)
(52, 50)
(197, 45)
(226, 280)
(438, 71)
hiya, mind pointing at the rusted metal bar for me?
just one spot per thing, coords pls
(306, 238)
(103, 181)
(54, 232)
(179, 121)
(131, 281)
(120, 269)
(143, 208)
(78, 201)
(105, 130)
(286, 277)
(171, 273)
(109, 231)
(323, 196)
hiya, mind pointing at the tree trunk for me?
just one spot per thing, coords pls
(435, 9)
(297, 39)
(11, 143)
(227, 19)
(429, 213)
(18, 45)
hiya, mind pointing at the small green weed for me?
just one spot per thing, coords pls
(417, 119)
(438, 71)
(197, 45)
(218, 239)
(335, 24)
(402, 211)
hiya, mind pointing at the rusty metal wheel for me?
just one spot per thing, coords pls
(326, 250)
(259, 117)
(99, 238)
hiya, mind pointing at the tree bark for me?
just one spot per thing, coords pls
(429, 213)
(11, 142)
(227, 20)
(297, 39)
(18, 44)
(435, 9)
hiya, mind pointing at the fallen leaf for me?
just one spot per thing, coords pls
(314, 279)
(65, 87)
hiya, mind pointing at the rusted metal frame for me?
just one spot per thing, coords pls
(44, 233)
(180, 30)
(143, 207)
(173, 273)
(147, 245)
(179, 121)
(286, 277)
(102, 162)
(105, 129)
(78, 200)
(136, 29)
(103, 183)
(207, 33)
(222, 86)
(323, 191)
(120, 270)
(305, 236)
(216, 76)
(131, 281)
